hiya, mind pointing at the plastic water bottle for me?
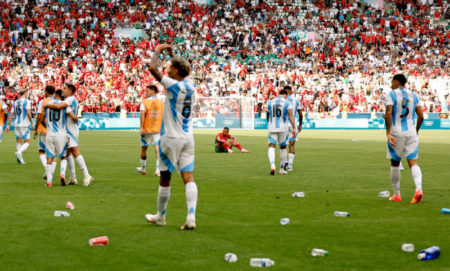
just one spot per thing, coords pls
(231, 257)
(408, 247)
(445, 211)
(429, 253)
(61, 213)
(319, 252)
(285, 221)
(298, 195)
(384, 194)
(341, 214)
(261, 262)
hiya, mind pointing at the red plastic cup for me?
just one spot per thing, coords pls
(99, 241)
(70, 205)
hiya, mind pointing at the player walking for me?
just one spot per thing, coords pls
(152, 110)
(73, 132)
(403, 120)
(279, 110)
(298, 114)
(225, 142)
(3, 117)
(40, 128)
(22, 125)
(176, 147)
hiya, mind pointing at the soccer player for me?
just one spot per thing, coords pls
(298, 114)
(225, 142)
(176, 147)
(56, 137)
(278, 111)
(73, 132)
(3, 117)
(22, 125)
(40, 128)
(152, 110)
(404, 117)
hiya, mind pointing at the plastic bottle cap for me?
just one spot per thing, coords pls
(421, 256)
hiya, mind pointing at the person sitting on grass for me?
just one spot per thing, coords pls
(225, 142)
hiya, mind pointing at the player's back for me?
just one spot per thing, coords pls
(177, 121)
(278, 115)
(20, 110)
(404, 115)
(56, 120)
(295, 105)
(72, 126)
(153, 114)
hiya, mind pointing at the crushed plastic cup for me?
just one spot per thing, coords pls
(298, 194)
(231, 257)
(384, 194)
(408, 247)
(70, 205)
(315, 252)
(99, 241)
(285, 221)
(445, 211)
(61, 213)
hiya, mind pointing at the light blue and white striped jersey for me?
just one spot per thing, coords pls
(56, 120)
(404, 115)
(295, 105)
(278, 115)
(178, 105)
(20, 112)
(72, 126)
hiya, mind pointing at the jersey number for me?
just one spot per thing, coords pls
(277, 111)
(405, 108)
(54, 115)
(186, 111)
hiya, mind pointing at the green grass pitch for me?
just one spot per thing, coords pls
(239, 208)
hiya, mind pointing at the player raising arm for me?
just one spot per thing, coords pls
(176, 147)
(403, 120)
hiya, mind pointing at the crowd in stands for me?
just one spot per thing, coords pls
(339, 56)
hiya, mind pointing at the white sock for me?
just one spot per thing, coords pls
(143, 163)
(191, 199)
(283, 157)
(71, 163)
(157, 163)
(53, 168)
(291, 159)
(43, 160)
(24, 147)
(395, 179)
(417, 176)
(271, 154)
(163, 199)
(18, 146)
(63, 166)
(48, 172)
(82, 164)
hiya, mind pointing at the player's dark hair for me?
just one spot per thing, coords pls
(155, 88)
(287, 88)
(181, 65)
(72, 88)
(226, 128)
(50, 89)
(400, 78)
(58, 93)
(283, 92)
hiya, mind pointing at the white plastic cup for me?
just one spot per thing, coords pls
(231, 257)
(285, 221)
(408, 247)
(298, 195)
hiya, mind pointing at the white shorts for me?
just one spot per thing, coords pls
(407, 147)
(56, 145)
(280, 138)
(148, 138)
(42, 138)
(22, 132)
(291, 133)
(73, 141)
(176, 153)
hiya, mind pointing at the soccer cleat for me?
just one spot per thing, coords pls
(230, 151)
(44, 177)
(244, 151)
(289, 168)
(189, 225)
(157, 173)
(49, 184)
(87, 180)
(73, 180)
(396, 197)
(417, 197)
(155, 219)
(272, 171)
(141, 170)
(63, 179)
(20, 158)
(282, 172)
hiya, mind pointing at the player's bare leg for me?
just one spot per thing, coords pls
(395, 180)
(142, 169)
(271, 154)
(80, 159)
(233, 143)
(157, 172)
(191, 200)
(417, 177)
(163, 198)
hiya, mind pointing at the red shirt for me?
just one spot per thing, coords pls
(220, 137)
